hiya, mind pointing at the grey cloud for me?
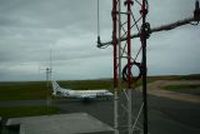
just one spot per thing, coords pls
(28, 29)
(163, 12)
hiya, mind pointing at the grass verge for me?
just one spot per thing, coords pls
(38, 90)
(87, 84)
(23, 90)
(188, 89)
(11, 112)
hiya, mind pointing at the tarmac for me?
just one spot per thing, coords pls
(166, 116)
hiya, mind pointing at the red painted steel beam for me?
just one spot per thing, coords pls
(114, 36)
(129, 3)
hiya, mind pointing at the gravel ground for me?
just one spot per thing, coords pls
(156, 88)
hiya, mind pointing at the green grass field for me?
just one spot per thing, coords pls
(22, 90)
(87, 84)
(38, 90)
(8, 112)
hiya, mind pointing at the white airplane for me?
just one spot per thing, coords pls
(79, 94)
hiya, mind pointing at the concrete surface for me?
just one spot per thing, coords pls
(60, 124)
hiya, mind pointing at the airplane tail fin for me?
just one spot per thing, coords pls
(55, 86)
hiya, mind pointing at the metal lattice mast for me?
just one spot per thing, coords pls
(123, 57)
(171, 26)
(120, 53)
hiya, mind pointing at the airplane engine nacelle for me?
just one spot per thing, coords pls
(54, 93)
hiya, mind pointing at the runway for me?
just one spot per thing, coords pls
(165, 116)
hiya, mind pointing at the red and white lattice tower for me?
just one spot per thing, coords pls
(124, 23)
(129, 22)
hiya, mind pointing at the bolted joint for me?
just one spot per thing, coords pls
(146, 30)
(98, 41)
(128, 2)
(144, 12)
(114, 16)
(197, 11)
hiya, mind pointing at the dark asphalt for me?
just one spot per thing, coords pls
(165, 116)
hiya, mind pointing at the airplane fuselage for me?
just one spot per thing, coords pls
(80, 94)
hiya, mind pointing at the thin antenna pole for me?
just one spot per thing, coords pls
(98, 15)
(49, 76)
(51, 64)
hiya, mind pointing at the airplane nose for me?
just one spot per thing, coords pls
(110, 94)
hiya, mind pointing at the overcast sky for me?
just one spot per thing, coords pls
(30, 28)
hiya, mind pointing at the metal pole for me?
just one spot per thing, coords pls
(119, 42)
(129, 111)
(116, 124)
(51, 65)
(47, 77)
(144, 83)
(116, 91)
(161, 28)
(114, 16)
(115, 69)
(129, 3)
(144, 78)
